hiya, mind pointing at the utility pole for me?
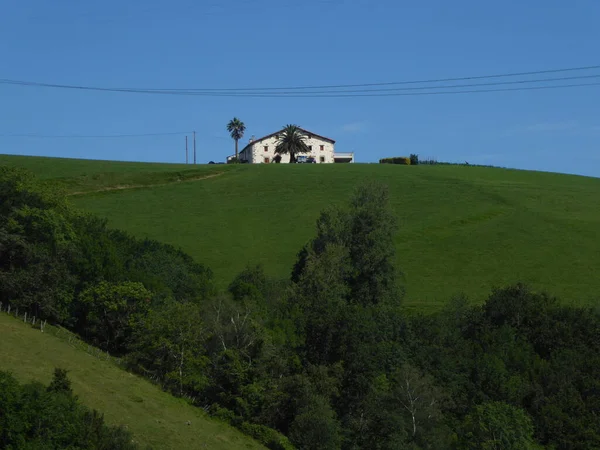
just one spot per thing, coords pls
(186, 150)
(194, 147)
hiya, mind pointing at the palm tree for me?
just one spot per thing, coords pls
(236, 129)
(291, 141)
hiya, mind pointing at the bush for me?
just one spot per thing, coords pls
(46, 417)
(224, 414)
(414, 159)
(269, 437)
(403, 160)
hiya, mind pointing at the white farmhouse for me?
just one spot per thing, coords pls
(262, 151)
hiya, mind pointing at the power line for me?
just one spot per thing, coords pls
(421, 93)
(75, 136)
(418, 88)
(371, 93)
(274, 91)
(391, 83)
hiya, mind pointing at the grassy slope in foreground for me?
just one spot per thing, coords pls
(155, 417)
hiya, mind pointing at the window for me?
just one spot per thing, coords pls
(310, 147)
(266, 148)
(322, 147)
(322, 158)
(267, 161)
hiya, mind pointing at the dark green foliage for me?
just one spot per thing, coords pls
(35, 246)
(60, 382)
(54, 261)
(111, 307)
(169, 345)
(365, 231)
(164, 269)
(267, 436)
(414, 159)
(372, 227)
(396, 160)
(315, 426)
(249, 284)
(36, 417)
(497, 425)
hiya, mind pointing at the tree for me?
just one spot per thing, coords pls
(169, 344)
(60, 382)
(316, 426)
(497, 425)
(110, 310)
(372, 249)
(34, 416)
(291, 142)
(36, 243)
(321, 297)
(418, 396)
(236, 129)
(366, 228)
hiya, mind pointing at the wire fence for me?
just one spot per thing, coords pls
(76, 342)
(62, 333)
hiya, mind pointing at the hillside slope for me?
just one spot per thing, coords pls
(155, 417)
(462, 229)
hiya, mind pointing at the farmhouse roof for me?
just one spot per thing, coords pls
(279, 132)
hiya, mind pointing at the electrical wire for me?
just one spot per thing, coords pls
(74, 136)
(333, 90)
(333, 95)
(418, 88)
(392, 83)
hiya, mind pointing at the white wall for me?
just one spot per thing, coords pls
(259, 154)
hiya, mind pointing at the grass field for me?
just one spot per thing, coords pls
(154, 417)
(462, 229)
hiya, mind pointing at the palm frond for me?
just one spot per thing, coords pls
(291, 141)
(236, 128)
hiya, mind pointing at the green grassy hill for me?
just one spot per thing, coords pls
(462, 229)
(154, 417)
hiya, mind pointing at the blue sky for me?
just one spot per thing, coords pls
(258, 43)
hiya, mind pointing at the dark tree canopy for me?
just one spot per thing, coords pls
(35, 416)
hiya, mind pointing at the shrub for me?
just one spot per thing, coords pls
(224, 414)
(269, 437)
(396, 160)
(46, 417)
(414, 159)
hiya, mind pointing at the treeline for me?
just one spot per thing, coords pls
(34, 416)
(414, 160)
(324, 360)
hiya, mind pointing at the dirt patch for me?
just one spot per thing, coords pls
(139, 186)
